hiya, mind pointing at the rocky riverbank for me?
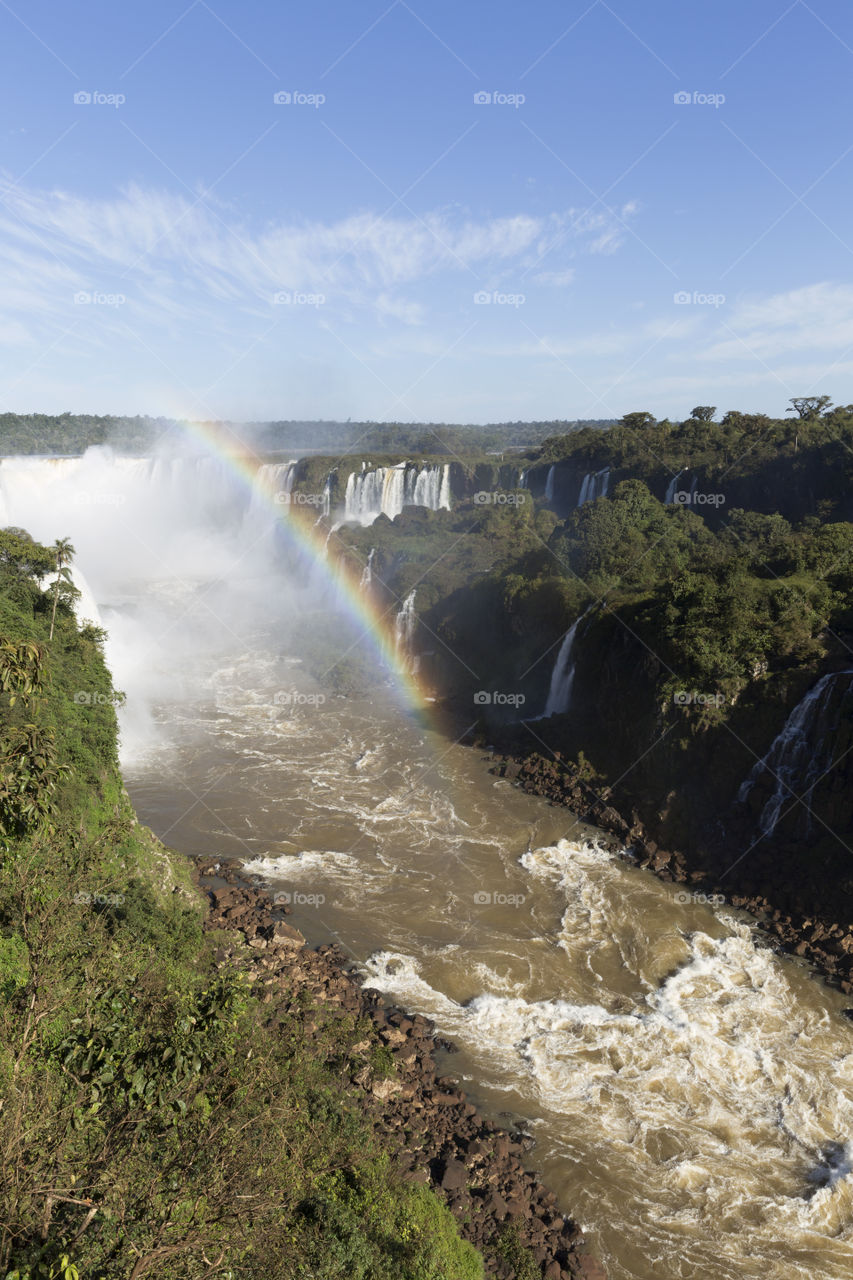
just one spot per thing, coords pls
(439, 1137)
(826, 945)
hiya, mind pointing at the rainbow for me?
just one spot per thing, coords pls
(376, 625)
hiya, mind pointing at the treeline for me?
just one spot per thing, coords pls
(72, 433)
(157, 1117)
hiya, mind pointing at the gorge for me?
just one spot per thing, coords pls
(688, 1090)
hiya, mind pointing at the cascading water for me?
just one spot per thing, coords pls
(549, 484)
(522, 478)
(672, 487)
(800, 754)
(367, 574)
(273, 485)
(563, 675)
(689, 1090)
(595, 485)
(404, 629)
(387, 490)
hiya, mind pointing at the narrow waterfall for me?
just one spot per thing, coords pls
(595, 485)
(549, 485)
(522, 478)
(563, 675)
(367, 575)
(444, 490)
(800, 754)
(387, 490)
(404, 630)
(327, 495)
(672, 487)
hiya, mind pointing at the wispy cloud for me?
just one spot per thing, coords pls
(171, 257)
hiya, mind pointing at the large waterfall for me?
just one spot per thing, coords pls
(387, 490)
(549, 484)
(595, 485)
(801, 754)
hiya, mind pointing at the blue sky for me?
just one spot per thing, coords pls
(383, 245)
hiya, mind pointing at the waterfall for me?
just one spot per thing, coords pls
(522, 478)
(595, 485)
(672, 486)
(404, 630)
(367, 575)
(549, 485)
(563, 675)
(273, 483)
(799, 755)
(444, 490)
(387, 490)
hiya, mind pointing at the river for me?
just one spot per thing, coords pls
(690, 1092)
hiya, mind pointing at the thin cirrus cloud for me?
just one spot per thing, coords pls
(816, 317)
(172, 257)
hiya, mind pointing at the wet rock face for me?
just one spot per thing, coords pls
(438, 1137)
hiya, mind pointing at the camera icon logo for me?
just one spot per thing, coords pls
(82, 698)
(283, 899)
(482, 498)
(282, 98)
(682, 698)
(682, 297)
(681, 99)
(482, 899)
(482, 99)
(482, 299)
(482, 698)
(82, 98)
(82, 298)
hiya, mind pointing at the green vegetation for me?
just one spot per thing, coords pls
(706, 619)
(157, 1119)
(71, 433)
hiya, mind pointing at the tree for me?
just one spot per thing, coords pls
(704, 412)
(64, 553)
(638, 420)
(810, 407)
